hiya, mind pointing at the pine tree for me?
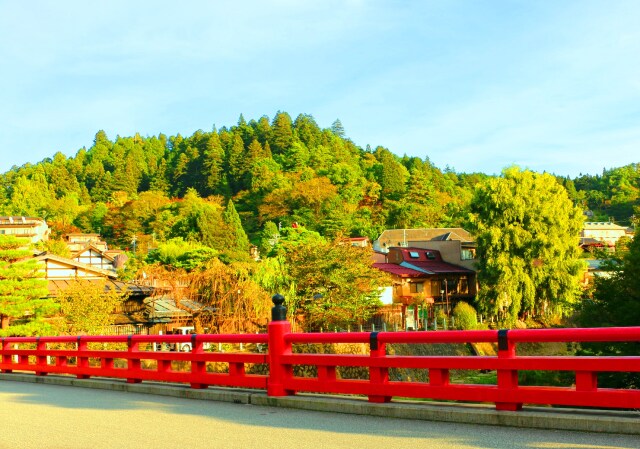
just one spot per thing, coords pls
(338, 129)
(393, 176)
(255, 152)
(282, 133)
(263, 130)
(307, 130)
(237, 163)
(159, 181)
(245, 131)
(100, 152)
(23, 292)
(238, 237)
(214, 156)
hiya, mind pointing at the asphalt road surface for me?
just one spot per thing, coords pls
(34, 416)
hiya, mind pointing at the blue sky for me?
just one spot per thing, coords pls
(474, 85)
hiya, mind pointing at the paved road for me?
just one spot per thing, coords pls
(34, 416)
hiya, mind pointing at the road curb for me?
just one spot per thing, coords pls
(582, 420)
(236, 396)
(601, 421)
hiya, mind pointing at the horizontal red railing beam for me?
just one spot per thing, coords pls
(577, 335)
(137, 358)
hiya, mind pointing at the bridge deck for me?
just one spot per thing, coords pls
(110, 410)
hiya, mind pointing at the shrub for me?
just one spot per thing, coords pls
(465, 316)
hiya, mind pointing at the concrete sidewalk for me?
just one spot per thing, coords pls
(583, 420)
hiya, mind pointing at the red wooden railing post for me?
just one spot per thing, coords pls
(82, 362)
(133, 362)
(198, 368)
(41, 358)
(6, 357)
(586, 381)
(23, 359)
(62, 361)
(507, 378)
(438, 377)
(278, 328)
(164, 366)
(378, 376)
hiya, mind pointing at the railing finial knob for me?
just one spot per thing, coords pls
(279, 311)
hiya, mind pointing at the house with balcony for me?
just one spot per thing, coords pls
(603, 231)
(424, 282)
(34, 229)
(91, 250)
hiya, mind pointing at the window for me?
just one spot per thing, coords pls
(415, 287)
(414, 254)
(467, 254)
(430, 255)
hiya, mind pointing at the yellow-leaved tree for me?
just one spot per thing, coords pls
(88, 306)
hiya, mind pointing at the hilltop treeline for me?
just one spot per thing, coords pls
(229, 183)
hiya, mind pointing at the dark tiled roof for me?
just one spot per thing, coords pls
(166, 307)
(588, 241)
(56, 285)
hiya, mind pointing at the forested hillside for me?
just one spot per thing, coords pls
(261, 174)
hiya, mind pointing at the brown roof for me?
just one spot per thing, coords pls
(417, 235)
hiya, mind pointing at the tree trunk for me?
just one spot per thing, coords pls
(4, 321)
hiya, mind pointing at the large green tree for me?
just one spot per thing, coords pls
(527, 232)
(335, 283)
(24, 302)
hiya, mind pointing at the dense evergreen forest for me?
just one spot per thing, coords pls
(232, 185)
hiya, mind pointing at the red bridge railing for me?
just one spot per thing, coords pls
(137, 358)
